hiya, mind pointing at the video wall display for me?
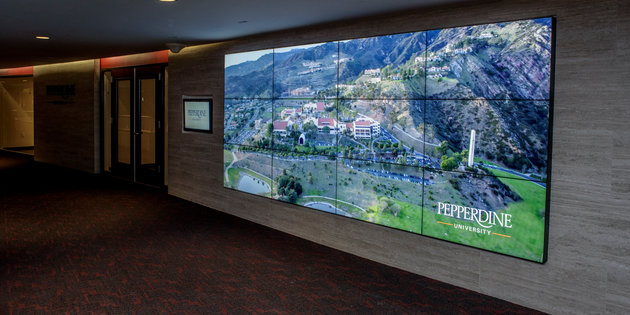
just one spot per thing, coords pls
(443, 133)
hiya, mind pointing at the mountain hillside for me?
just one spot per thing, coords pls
(314, 70)
(251, 79)
(492, 78)
(494, 61)
(378, 52)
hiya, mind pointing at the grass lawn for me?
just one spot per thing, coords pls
(479, 160)
(361, 189)
(526, 236)
(234, 175)
(409, 218)
(322, 175)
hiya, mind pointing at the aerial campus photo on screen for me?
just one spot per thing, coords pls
(443, 133)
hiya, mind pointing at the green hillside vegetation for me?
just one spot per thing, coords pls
(381, 200)
(234, 175)
(315, 177)
(396, 214)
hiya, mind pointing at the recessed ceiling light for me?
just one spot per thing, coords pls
(43, 37)
(168, 0)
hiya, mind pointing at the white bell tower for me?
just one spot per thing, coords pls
(471, 149)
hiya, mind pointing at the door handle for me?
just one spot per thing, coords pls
(138, 133)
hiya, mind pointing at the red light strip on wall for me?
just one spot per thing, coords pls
(13, 72)
(135, 60)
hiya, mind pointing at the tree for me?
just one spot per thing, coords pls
(387, 71)
(463, 156)
(295, 135)
(310, 129)
(292, 196)
(289, 188)
(394, 209)
(382, 204)
(448, 163)
(326, 130)
(388, 205)
(269, 130)
(442, 148)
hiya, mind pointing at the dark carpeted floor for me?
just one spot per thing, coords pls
(76, 243)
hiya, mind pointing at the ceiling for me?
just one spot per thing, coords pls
(85, 29)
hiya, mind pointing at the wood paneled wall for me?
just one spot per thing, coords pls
(588, 270)
(67, 129)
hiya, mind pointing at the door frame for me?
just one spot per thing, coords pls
(141, 173)
(119, 169)
(135, 74)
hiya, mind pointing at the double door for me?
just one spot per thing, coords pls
(137, 126)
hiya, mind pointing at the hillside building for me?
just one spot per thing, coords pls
(331, 123)
(366, 128)
(280, 126)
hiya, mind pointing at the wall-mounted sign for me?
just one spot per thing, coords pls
(198, 114)
(61, 94)
(65, 91)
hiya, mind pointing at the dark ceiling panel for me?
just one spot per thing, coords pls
(83, 29)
